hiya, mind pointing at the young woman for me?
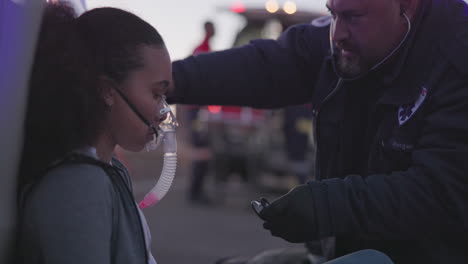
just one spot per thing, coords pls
(98, 81)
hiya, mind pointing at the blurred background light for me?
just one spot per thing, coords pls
(290, 7)
(272, 6)
(238, 7)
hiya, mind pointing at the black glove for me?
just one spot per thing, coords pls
(292, 216)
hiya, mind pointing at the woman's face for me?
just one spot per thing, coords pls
(144, 88)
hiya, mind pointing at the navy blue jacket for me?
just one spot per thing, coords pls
(404, 188)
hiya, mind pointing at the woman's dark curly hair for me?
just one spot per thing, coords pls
(65, 108)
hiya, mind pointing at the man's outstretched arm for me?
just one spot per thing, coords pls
(262, 74)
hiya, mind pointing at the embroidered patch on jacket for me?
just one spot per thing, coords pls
(405, 112)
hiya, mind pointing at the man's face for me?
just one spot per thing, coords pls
(365, 32)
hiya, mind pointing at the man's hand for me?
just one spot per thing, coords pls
(292, 216)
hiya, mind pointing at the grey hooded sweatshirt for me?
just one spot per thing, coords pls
(81, 212)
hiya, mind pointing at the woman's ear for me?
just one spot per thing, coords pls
(106, 87)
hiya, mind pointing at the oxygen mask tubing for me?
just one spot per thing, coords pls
(165, 133)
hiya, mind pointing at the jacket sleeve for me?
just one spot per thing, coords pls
(430, 198)
(262, 74)
(69, 215)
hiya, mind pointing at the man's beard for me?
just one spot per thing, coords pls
(350, 67)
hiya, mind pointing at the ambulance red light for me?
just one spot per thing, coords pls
(238, 7)
(214, 109)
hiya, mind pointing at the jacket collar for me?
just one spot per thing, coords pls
(405, 76)
(454, 44)
(440, 34)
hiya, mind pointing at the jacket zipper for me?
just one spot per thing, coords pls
(332, 93)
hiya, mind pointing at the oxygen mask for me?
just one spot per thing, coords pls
(165, 133)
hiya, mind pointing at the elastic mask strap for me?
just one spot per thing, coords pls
(134, 109)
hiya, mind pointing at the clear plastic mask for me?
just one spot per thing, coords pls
(168, 124)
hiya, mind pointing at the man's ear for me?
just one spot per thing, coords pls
(107, 90)
(409, 7)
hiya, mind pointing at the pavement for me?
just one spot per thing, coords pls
(198, 234)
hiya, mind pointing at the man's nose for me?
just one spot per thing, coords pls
(340, 30)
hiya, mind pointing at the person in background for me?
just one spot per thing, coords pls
(91, 86)
(199, 134)
(387, 80)
(205, 46)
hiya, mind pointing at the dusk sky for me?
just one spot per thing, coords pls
(180, 21)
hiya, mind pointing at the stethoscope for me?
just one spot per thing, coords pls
(332, 50)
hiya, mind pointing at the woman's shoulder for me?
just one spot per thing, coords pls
(77, 173)
(73, 182)
(70, 213)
